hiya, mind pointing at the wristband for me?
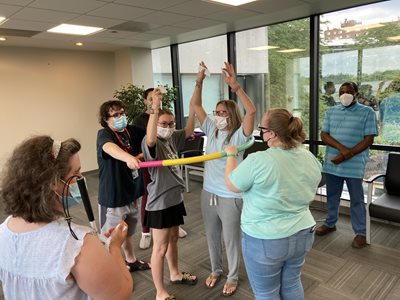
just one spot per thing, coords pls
(231, 155)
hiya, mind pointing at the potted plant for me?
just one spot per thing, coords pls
(132, 97)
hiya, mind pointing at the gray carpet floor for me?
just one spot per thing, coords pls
(333, 269)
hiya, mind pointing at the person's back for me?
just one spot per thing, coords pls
(285, 182)
(36, 264)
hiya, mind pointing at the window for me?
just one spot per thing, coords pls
(162, 71)
(369, 55)
(273, 67)
(213, 52)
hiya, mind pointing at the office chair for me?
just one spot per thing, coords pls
(257, 146)
(386, 206)
(192, 148)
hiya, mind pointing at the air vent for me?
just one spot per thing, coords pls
(17, 32)
(134, 26)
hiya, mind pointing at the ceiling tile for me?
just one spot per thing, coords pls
(54, 36)
(268, 6)
(232, 14)
(16, 2)
(197, 23)
(152, 4)
(8, 10)
(32, 25)
(75, 6)
(196, 8)
(163, 18)
(116, 34)
(35, 14)
(95, 21)
(123, 12)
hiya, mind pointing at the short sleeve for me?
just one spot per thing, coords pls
(207, 126)
(243, 176)
(72, 249)
(371, 127)
(104, 136)
(326, 123)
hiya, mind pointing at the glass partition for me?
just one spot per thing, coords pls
(362, 44)
(213, 52)
(273, 65)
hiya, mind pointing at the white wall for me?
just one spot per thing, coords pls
(142, 70)
(59, 92)
(53, 92)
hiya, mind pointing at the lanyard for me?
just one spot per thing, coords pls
(125, 146)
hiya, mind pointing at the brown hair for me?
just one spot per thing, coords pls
(234, 117)
(164, 112)
(27, 188)
(288, 128)
(105, 108)
(147, 92)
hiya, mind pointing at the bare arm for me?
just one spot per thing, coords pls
(189, 128)
(196, 100)
(151, 137)
(346, 153)
(102, 274)
(231, 164)
(248, 105)
(116, 152)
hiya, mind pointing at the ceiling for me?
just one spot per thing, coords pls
(145, 23)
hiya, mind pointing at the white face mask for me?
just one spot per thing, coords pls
(221, 122)
(164, 132)
(346, 99)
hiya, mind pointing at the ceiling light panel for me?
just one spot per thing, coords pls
(74, 29)
(233, 2)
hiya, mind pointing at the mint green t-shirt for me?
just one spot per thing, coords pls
(277, 186)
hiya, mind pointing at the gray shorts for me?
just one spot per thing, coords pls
(110, 217)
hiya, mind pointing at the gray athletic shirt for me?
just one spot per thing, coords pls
(167, 185)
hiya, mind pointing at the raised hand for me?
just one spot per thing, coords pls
(156, 97)
(229, 75)
(202, 72)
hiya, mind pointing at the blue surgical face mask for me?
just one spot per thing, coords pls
(120, 123)
(75, 198)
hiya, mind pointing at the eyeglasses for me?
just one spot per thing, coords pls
(118, 114)
(220, 113)
(263, 129)
(165, 124)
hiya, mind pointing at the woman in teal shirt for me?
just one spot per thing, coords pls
(277, 184)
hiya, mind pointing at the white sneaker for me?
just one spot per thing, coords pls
(145, 241)
(182, 233)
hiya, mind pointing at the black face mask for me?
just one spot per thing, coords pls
(262, 138)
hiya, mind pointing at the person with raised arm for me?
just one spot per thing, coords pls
(165, 208)
(221, 208)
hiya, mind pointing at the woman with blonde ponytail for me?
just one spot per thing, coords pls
(277, 184)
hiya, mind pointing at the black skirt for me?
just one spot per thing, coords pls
(165, 218)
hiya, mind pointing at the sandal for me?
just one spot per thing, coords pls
(138, 265)
(187, 279)
(170, 297)
(212, 280)
(229, 288)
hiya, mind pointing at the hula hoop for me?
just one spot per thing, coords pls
(192, 160)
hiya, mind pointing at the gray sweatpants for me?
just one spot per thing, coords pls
(221, 217)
